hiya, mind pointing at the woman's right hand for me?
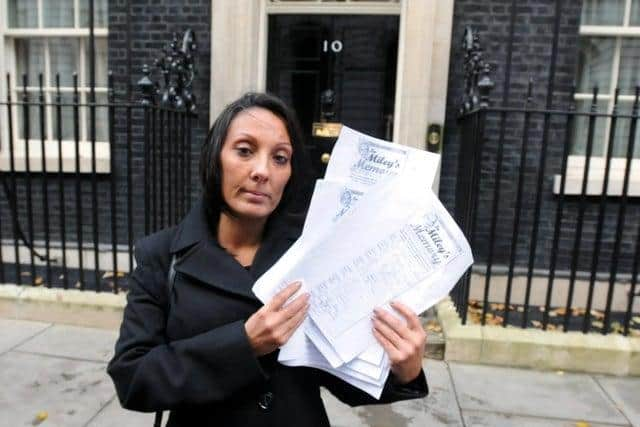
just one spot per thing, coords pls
(272, 325)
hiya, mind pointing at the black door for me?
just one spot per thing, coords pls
(352, 57)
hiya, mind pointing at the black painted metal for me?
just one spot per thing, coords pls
(13, 204)
(582, 207)
(517, 214)
(62, 218)
(45, 193)
(129, 156)
(586, 323)
(27, 153)
(621, 217)
(112, 186)
(167, 109)
(474, 115)
(154, 170)
(161, 162)
(559, 210)
(78, 178)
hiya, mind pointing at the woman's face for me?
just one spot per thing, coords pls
(256, 163)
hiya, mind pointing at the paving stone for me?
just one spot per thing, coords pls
(70, 391)
(73, 341)
(113, 415)
(533, 393)
(625, 393)
(492, 419)
(434, 410)
(16, 331)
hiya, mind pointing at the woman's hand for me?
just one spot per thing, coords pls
(272, 325)
(404, 343)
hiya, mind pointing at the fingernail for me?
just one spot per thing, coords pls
(376, 311)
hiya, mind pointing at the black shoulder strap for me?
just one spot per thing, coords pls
(171, 278)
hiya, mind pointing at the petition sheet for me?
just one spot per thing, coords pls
(359, 164)
(362, 161)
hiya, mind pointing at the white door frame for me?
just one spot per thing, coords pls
(239, 55)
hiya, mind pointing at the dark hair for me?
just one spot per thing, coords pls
(293, 198)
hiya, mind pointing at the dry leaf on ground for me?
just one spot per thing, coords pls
(38, 281)
(475, 303)
(536, 323)
(495, 320)
(39, 418)
(597, 324)
(616, 327)
(578, 311)
(597, 314)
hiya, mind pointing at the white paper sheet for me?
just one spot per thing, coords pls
(396, 177)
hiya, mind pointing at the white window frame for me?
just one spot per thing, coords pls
(575, 162)
(8, 64)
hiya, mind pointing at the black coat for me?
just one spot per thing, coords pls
(196, 360)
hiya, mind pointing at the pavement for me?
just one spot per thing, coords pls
(54, 375)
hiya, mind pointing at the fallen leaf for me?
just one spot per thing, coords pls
(38, 281)
(552, 313)
(107, 275)
(25, 273)
(497, 306)
(597, 324)
(61, 276)
(597, 314)
(496, 320)
(551, 327)
(434, 328)
(582, 424)
(475, 303)
(78, 285)
(635, 319)
(542, 309)
(578, 311)
(560, 372)
(40, 417)
(520, 309)
(617, 328)
(536, 323)
(560, 311)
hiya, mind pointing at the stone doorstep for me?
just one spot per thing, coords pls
(71, 306)
(537, 349)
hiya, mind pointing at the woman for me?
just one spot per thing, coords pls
(206, 348)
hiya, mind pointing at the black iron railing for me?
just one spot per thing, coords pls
(556, 246)
(69, 219)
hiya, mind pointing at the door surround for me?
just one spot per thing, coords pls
(239, 55)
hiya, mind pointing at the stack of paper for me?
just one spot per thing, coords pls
(375, 232)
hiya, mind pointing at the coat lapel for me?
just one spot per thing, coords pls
(211, 264)
(205, 260)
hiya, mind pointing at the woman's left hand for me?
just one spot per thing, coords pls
(404, 343)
